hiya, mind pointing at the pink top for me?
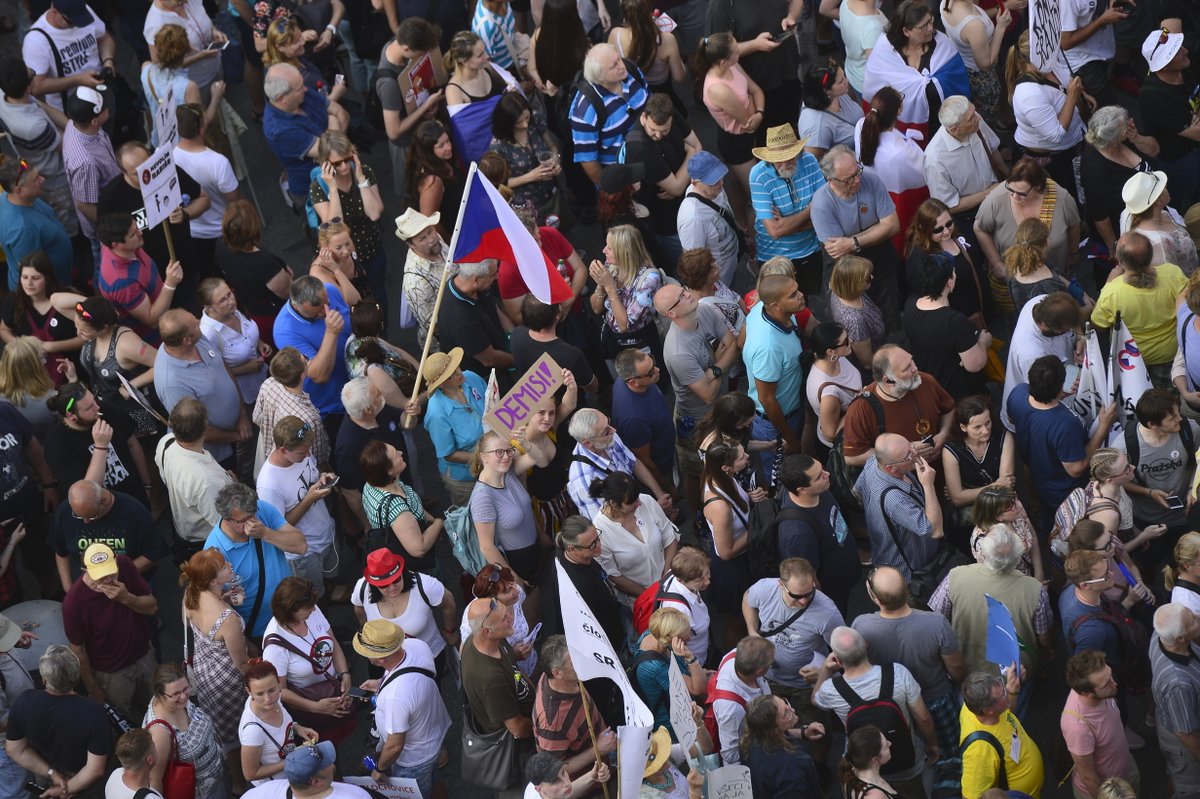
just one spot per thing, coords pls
(739, 84)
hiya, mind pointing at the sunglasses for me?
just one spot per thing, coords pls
(940, 228)
(343, 162)
(337, 220)
(811, 593)
(79, 310)
(1163, 37)
(304, 430)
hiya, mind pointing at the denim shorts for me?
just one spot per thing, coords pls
(422, 773)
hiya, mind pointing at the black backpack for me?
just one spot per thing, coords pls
(762, 544)
(884, 713)
(580, 85)
(373, 110)
(645, 656)
(843, 476)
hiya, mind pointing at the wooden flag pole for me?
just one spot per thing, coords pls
(410, 421)
(166, 229)
(592, 732)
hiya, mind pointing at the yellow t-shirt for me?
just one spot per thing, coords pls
(980, 767)
(1149, 313)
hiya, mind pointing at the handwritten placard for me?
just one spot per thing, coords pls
(392, 787)
(1045, 34)
(515, 407)
(728, 782)
(681, 708)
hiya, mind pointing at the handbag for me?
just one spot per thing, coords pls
(179, 779)
(923, 582)
(489, 759)
(321, 689)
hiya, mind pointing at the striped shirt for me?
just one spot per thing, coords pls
(559, 723)
(496, 32)
(127, 283)
(769, 192)
(580, 474)
(90, 164)
(594, 144)
(1176, 688)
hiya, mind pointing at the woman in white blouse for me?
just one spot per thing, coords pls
(637, 539)
(1148, 211)
(266, 731)
(833, 380)
(691, 574)
(236, 335)
(1048, 121)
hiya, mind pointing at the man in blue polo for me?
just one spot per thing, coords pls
(294, 119)
(314, 322)
(772, 359)
(598, 141)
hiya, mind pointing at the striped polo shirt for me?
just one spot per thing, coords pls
(1176, 687)
(768, 191)
(594, 144)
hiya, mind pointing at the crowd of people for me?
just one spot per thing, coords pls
(827, 403)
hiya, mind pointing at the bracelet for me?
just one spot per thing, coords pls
(168, 287)
(366, 184)
(343, 674)
(331, 29)
(103, 448)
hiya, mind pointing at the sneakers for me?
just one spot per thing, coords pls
(1134, 740)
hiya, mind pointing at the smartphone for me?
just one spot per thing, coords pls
(927, 440)
(782, 35)
(1072, 375)
(330, 483)
(1175, 503)
(338, 80)
(34, 788)
(219, 45)
(360, 693)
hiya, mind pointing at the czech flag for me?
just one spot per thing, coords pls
(488, 228)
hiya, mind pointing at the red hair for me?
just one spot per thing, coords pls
(198, 573)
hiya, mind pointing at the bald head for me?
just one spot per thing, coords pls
(891, 448)
(176, 325)
(84, 496)
(666, 297)
(889, 588)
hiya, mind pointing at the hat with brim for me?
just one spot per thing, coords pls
(1192, 221)
(617, 177)
(440, 365)
(10, 633)
(782, 145)
(1143, 190)
(660, 752)
(307, 761)
(384, 567)
(706, 168)
(1160, 48)
(412, 222)
(76, 12)
(99, 561)
(378, 638)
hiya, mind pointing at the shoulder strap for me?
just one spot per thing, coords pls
(142, 793)
(58, 62)
(386, 506)
(421, 589)
(1189, 440)
(266, 732)
(721, 211)
(1187, 325)
(279, 640)
(262, 589)
(984, 735)
(1133, 448)
(407, 670)
(171, 732)
(843, 688)
(584, 459)
(722, 498)
(646, 655)
(875, 404)
(892, 530)
(777, 630)
(730, 696)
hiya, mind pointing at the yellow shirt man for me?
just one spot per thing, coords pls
(981, 764)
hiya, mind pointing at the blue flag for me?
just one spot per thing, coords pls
(1002, 646)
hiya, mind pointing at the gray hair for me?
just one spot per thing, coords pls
(1001, 549)
(829, 161)
(849, 645)
(278, 81)
(1170, 622)
(236, 496)
(59, 668)
(306, 290)
(481, 269)
(584, 423)
(978, 690)
(356, 396)
(1107, 126)
(593, 68)
(554, 654)
(953, 109)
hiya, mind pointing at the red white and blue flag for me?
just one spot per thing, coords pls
(488, 228)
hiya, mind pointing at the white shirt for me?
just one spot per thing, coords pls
(237, 348)
(285, 487)
(1186, 597)
(116, 788)
(193, 480)
(215, 175)
(1029, 343)
(298, 671)
(77, 47)
(845, 384)
(412, 704)
(899, 160)
(623, 555)
(1100, 46)
(199, 33)
(417, 620)
(729, 713)
(253, 731)
(697, 613)
(1036, 107)
(955, 168)
(278, 789)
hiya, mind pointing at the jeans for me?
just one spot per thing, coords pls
(422, 773)
(362, 71)
(761, 429)
(12, 778)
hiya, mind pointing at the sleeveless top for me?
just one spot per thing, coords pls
(740, 522)
(976, 473)
(496, 88)
(739, 84)
(964, 47)
(659, 72)
(102, 374)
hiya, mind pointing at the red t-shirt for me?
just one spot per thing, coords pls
(509, 281)
(114, 635)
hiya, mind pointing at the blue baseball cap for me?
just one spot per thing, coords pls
(305, 762)
(706, 168)
(75, 11)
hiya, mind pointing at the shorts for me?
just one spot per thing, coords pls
(735, 148)
(313, 567)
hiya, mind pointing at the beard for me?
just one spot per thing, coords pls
(786, 172)
(902, 387)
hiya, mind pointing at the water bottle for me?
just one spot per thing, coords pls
(369, 763)
(562, 269)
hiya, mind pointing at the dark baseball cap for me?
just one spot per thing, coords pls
(76, 12)
(616, 177)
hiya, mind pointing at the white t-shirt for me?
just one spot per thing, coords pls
(77, 47)
(300, 672)
(845, 385)
(412, 704)
(199, 33)
(1100, 46)
(729, 713)
(253, 731)
(1186, 597)
(36, 137)
(417, 620)
(1027, 344)
(697, 613)
(116, 788)
(278, 789)
(284, 487)
(193, 480)
(215, 175)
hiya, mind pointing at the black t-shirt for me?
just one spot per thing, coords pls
(967, 294)
(474, 325)
(61, 328)
(128, 529)
(247, 273)
(597, 592)
(823, 538)
(352, 440)
(1167, 110)
(1103, 181)
(120, 196)
(15, 433)
(1188, 13)
(526, 351)
(69, 452)
(62, 729)
(745, 20)
(662, 159)
(936, 338)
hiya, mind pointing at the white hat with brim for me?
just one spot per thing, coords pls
(1143, 190)
(10, 633)
(782, 145)
(1157, 52)
(412, 222)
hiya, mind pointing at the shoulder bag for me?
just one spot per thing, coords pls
(179, 778)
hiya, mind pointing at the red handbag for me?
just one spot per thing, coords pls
(179, 778)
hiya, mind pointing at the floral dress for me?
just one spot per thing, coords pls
(218, 682)
(198, 745)
(638, 300)
(521, 161)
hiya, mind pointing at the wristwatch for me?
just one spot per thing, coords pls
(331, 29)
(717, 371)
(857, 246)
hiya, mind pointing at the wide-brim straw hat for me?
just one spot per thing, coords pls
(378, 638)
(412, 222)
(782, 145)
(440, 365)
(660, 752)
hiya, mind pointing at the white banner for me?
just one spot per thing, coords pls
(166, 127)
(1045, 34)
(1093, 393)
(591, 652)
(728, 782)
(1127, 378)
(681, 709)
(392, 787)
(633, 750)
(160, 187)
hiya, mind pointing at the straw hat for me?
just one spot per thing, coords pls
(412, 222)
(782, 145)
(10, 633)
(660, 752)
(1192, 220)
(378, 638)
(1143, 190)
(440, 365)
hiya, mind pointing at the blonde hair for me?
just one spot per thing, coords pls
(666, 623)
(326, 232)
(629, 252)
(280, 33)
(477, 454)
(22, 374)
(1018, 64)
(1102, 463)
(1187, 552)
(1027, 254)
(851, 276)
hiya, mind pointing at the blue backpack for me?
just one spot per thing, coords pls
(310, 213)
(465, 541)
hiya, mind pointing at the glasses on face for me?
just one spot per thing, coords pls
(337, 220)
(650, 373)
(942, 228)
(594, 545)
(187, 689)
(342, 162)
(238, 522)
(798, 597)
(924, 26)
(1015, 193)
(1109, 547)
(843, 343)
(507, 452)
(608, 429)
(848, 180)
(682, 295)
(905, 459)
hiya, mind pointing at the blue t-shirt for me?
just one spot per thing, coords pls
(291, 136)
(453, 427)
(1096, 634)
(772, 355)
(306, 335)
(643, 419)
(244, 560)
(26, 229)
(1047, 440)
(655, 683)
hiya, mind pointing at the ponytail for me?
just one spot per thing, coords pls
(885, 108)
(711, 51)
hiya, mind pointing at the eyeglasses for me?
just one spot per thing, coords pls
(238, 522)
(1109, 547)
(593, 546)
(682, 295)
(1163, 37)
(905, 459)
(187, 689)
(507, 452)
(603, 433)
(798, 597)
(940, 228)
(924, 26)
(1015, 193)
(848, 180)
(337, 220)
(843, 343)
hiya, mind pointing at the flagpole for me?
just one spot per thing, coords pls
(592, 732)
(1114, 366)
(410, 421)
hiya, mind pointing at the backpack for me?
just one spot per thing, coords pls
(1133, 447)
(373, 106)
(881, 712)
(645, 656)
(712, 694)
(843, 476)
(649, 601)
(1133, 643)
(1078, 505)
(463, 539)
(762, 544)
(984, 735)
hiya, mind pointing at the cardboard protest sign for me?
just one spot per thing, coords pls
(515, 407)
(166, 128)
(159, 183)
(728, 782)
(392, 788)
(681, 708)
(1045, 34)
